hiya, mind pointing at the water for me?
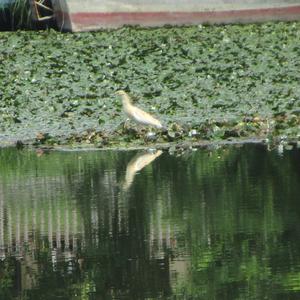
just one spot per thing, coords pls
(209, 224)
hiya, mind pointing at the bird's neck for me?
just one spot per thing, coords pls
(126, 101)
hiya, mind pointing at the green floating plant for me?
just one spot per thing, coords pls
(232, 81)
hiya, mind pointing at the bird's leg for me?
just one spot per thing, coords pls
(126, 125)
(132, 130)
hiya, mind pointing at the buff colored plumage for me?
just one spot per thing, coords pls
(136, 114)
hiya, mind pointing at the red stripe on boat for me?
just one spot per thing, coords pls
(93, 20)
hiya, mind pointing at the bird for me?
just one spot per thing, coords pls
(140, 161)
(135, 113)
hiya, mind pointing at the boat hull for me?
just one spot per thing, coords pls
(72, 15)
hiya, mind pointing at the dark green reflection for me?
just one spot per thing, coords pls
(212, 224)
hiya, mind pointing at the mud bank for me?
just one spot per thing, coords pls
(206, 83)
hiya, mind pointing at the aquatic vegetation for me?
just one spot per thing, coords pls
(223, 82)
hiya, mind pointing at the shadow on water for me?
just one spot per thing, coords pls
(209, 224)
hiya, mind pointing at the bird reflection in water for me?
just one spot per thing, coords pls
(137, 163)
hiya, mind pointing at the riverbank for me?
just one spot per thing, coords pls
(206, 83)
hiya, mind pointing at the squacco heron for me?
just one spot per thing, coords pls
(136, 114)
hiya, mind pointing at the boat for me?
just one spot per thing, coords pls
(79, 15)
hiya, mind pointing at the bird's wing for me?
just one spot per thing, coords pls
(145, 118)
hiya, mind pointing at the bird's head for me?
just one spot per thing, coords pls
(125, 97)
(121, 93)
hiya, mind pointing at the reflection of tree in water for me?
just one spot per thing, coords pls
(242, 217)
(202, 224)
(74, 218)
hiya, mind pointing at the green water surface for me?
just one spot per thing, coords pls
(216, 223)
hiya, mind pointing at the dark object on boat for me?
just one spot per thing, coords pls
(29, 14)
